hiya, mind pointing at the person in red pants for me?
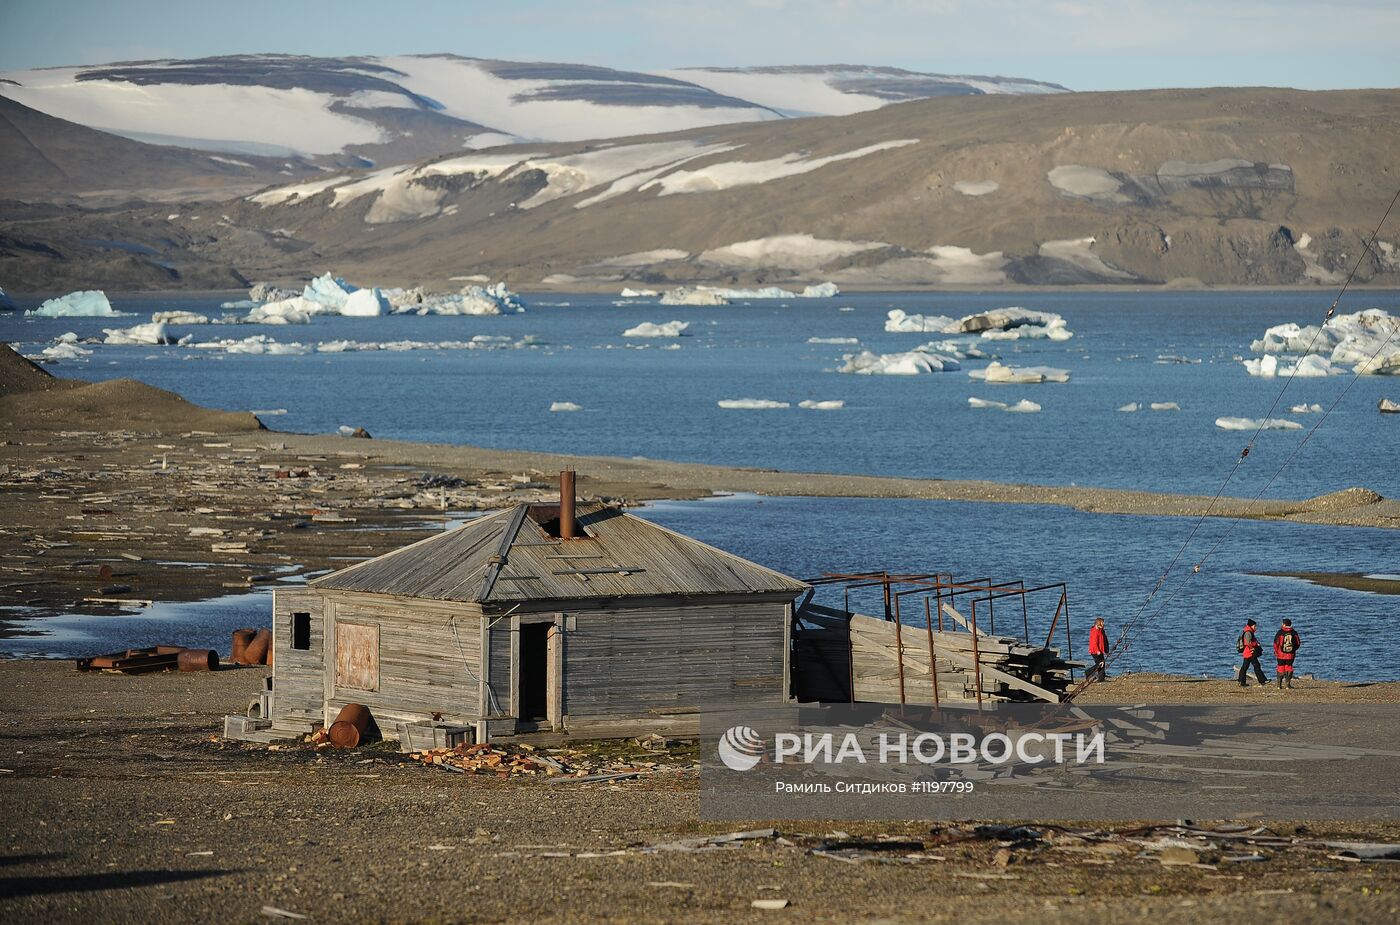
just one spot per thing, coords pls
(1287, 642)
(1098, 648)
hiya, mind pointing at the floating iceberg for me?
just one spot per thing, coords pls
(1165, 406)
(975, 402)
(365, 303)
(557, 406)
(328, 291)
(821, 291)
(649, 329)
(767, 292)
(833, 340)
(88, 303)
(1269, 367)
(900, 322)
(834, 405)
(751, 404)
(1367, 340)
(257, 345)
(1130, 407)
(472, 300)
(1014, 323)
(149, 334)
(296, 310)
(1306, 409)
(630, 293)
(1024, 375)
(1387, 406)
(686, 296)
(1024, 406)
(179, 317)
(1257, 424)
(912, 363)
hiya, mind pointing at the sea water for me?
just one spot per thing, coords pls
(1127, 347)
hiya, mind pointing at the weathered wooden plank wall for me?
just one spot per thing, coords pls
(296, 673)
(429, 659)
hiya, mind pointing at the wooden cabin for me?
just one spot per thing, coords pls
(539, 618)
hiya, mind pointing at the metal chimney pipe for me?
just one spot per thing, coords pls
(567, 527)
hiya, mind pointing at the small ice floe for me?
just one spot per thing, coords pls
(239, 305)
(1257, 424)
(751, 404)
(1024, 406)
(1130, 407)
(560, 406)
(833, 340)
(897, 321)
(975, 402)
(270, 412)
(630, 293)
(1165, 406)
(1268, 367)
(846, 308)
(87, 303)
(952, 348)
(146, 334)
(1387, 406)
(179, 317)
(62, 350)
(684, 295)
(1306, 409)
(295, 310)
(735, 295)
(651, 329)
(833, 405)
(912, 363)
(1023, 375)
(257, 345)
(1167, 359)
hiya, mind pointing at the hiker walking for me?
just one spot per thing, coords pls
(1098, 648)
(1287, 642)
(1249, 649)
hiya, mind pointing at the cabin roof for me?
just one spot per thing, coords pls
(511, 557)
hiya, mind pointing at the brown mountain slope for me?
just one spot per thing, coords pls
(1220, 185)
(50, 159)
(1216, 186)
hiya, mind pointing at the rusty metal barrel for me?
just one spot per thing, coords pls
(241, 638)
(198, 660)
(259, 649)
(349, 726)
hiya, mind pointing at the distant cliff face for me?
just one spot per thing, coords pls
(1189, 187)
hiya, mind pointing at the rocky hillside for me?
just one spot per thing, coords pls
(1223, 186)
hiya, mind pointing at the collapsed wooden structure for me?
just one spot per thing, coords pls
(936, 655)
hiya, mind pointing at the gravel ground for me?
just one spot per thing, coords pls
(120, 804)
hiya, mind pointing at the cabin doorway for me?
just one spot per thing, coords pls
(532, 700)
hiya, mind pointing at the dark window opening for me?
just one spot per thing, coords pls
(301, 631)
(533, 701)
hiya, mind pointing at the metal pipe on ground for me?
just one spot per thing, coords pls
(259, 650)
(349, 726)
(241, 638)
(198, 660)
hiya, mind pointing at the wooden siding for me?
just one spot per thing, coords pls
(648, 661)
(297, 701)
(429, 659)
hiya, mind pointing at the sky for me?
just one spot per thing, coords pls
(1082, 44)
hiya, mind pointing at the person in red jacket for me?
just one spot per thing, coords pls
(1098, 648)
(1249, 649)
(1287, 642)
